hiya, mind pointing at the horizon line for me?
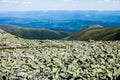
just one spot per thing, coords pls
(56, 10)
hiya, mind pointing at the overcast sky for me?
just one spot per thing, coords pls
(29, 5)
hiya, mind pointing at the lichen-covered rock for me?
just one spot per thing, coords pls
(23, 59)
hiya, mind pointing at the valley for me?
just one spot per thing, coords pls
(69, 21)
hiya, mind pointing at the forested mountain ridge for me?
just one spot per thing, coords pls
(96, 32)
(34, 33)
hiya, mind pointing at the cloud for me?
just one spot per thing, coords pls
(27, 2)
(15, 2)
(67, 0)
(71, 0)
(5, 1)
(107, 1)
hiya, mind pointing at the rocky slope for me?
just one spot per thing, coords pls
(22, 59)
(31, 33)
(96, 32)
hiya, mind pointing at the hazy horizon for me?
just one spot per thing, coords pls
(63, 10)
(65, 5)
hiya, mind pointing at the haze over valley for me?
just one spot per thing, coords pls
(70, 21)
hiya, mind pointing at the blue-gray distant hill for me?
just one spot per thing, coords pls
(70, 21)
(34, 33)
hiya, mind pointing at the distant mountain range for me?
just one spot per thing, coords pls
(96, 32)
(34, 33)
(70, 21)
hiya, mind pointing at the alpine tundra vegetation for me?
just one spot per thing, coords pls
(22, 59)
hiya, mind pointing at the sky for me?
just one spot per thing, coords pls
(35, 5)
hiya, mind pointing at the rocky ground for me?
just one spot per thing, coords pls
(22, 59)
